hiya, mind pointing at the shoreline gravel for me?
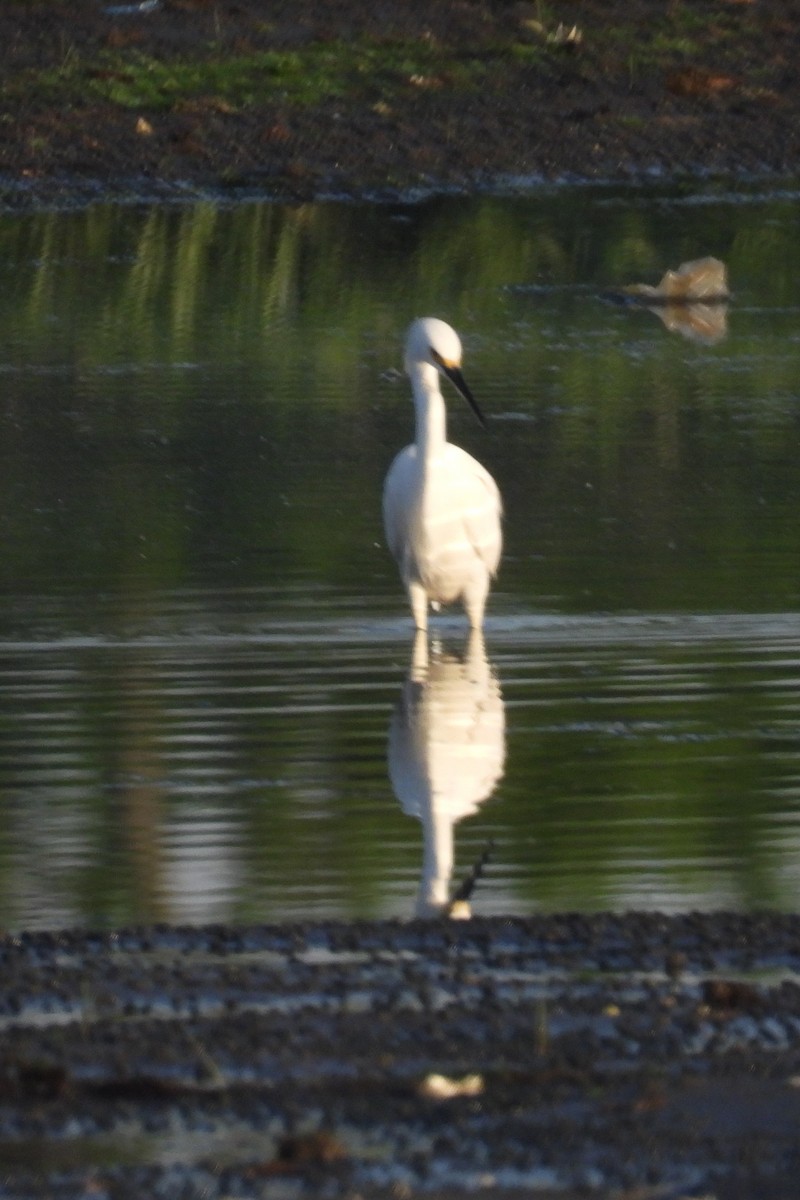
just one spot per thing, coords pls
(633, 1055)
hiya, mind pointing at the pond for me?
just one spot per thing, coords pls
(212, 704)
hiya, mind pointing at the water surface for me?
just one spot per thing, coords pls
(206, 661)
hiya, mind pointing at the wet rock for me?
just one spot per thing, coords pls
(319, 1147)
(728, 994)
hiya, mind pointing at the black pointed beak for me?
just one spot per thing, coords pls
(458, 381)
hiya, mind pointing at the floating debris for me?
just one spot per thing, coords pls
(702, 279)
(691, 301)
(441, 1087)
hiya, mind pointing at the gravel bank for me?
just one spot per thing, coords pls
(627, 1056)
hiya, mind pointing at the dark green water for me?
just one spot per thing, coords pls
(203, 640)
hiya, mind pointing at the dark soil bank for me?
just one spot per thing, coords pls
(635, 1056)
(298, 98)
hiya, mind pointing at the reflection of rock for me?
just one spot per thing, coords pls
(446, 752)
(707, 323)
(691, 301)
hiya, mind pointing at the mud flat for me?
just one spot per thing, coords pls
(617, 1056)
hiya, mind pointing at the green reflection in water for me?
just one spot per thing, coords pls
(198, 406)
(189, 381)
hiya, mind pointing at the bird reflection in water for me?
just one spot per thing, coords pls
(446, 756)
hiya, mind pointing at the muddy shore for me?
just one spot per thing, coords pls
(616, 1056)
(175, 98)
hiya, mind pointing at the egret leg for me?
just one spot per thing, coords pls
(475, 601)
(418, 598)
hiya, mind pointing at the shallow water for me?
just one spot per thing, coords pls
(204, 648)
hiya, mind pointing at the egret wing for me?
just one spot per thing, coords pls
(397, 497)
(483, 509)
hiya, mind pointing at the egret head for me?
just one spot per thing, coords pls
(434, 342)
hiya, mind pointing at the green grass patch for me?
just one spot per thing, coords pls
(671, 45)
(314, 74)
(367, 71)
(676, 34)
(528, 52)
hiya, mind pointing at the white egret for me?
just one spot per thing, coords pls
(441, 508)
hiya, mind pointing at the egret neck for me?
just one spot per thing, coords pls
(431, 414)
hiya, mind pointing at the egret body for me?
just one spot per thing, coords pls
(441, 508)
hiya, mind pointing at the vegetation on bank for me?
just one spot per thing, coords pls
(322, 96)
(694, 48)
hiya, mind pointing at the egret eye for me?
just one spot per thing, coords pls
(447, 364)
